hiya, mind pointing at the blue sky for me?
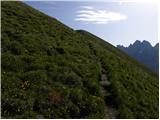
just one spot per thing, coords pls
(117, 22)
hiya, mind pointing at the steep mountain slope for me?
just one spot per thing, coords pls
(51, 71)
(144, 53)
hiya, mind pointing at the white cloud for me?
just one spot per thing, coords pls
(95, 16)
(87, 7)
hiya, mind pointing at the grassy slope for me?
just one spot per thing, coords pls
(52, 71)
(119, 53)
(135, 89)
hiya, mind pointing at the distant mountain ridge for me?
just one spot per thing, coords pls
(144, 52)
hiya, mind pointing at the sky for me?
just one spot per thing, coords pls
(119, 22)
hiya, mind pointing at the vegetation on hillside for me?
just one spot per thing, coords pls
(134, 90)
(51, 71)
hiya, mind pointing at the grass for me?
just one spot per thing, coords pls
(52, 71)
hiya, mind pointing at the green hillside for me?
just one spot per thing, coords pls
(52, 71)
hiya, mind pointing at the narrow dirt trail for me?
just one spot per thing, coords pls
(110, 110)
(105, 87)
